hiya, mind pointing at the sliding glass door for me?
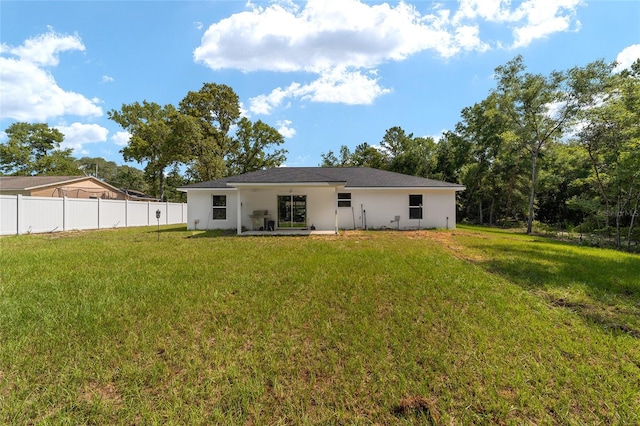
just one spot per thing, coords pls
(292, 211)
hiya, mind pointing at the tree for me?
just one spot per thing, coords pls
(254, 148)
(127, 177)
(34, 149)
(213, 109)
(611, 137)
(154, 139)
(98, 167)
(175, 180)
(408, 154)
(540, 108)
(365, 155)
(451, 154)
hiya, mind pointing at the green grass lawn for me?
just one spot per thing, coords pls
(471, 326)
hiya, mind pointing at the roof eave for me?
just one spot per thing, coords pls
(44, 185)
(284, 184)
(412, 188)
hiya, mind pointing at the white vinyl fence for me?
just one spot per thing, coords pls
(23, 215)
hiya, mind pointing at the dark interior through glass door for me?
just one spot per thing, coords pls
(292, 211)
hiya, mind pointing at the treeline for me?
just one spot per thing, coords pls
(561, 150)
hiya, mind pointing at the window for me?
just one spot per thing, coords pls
(219, 207)
(415, 206)
(344, 199)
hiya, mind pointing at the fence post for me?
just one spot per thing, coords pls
(19, 214)
(65, 212)
(126, 213)
(99, 208)
(166, 210)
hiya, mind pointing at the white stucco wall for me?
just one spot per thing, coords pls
(381, 207)
(200, 206)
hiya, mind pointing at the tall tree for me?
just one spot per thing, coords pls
(215, 108)
(154, 140)
(254, 147)
(540, 107)
(408, 154)
(611, 137)
(34, 149)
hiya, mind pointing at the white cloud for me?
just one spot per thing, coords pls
(107, 79)
(529, 21)
(29, 91)
(45, 48)
(342, 41)
(285, 129)
(78, 134)
(627, 56)
(323, 35)
(351, 33)
(337, 85)
(121, 138)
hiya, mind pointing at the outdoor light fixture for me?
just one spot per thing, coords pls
(158, 213)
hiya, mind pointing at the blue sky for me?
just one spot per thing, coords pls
(323, 72)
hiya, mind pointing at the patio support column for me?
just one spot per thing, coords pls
(239, 210)
(335, 226)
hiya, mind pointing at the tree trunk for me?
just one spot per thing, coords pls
(618, 214)
(532, 195)
(493, 203)
(634, 213)
(480, 212)
(161, 184)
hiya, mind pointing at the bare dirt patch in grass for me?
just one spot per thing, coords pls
(107, 393)
(447, 239)
(417, 405)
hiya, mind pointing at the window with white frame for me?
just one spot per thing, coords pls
(415, 206)
(219, 207)
(344, 199)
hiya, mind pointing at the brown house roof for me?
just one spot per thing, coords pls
(27, 183)
(34, 182)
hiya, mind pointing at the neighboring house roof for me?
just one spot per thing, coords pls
(35, 182)
(30, 183)
(350, 177)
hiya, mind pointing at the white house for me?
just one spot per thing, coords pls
(322, 199)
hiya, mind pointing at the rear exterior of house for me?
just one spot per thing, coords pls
(318, 198)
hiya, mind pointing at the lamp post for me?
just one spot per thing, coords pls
(158, 213)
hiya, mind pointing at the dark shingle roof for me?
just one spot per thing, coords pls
(351, 177)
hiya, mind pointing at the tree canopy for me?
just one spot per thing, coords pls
(34, 149)
(205, 134)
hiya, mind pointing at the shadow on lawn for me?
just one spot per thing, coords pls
(217, 233)
(611, 280)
